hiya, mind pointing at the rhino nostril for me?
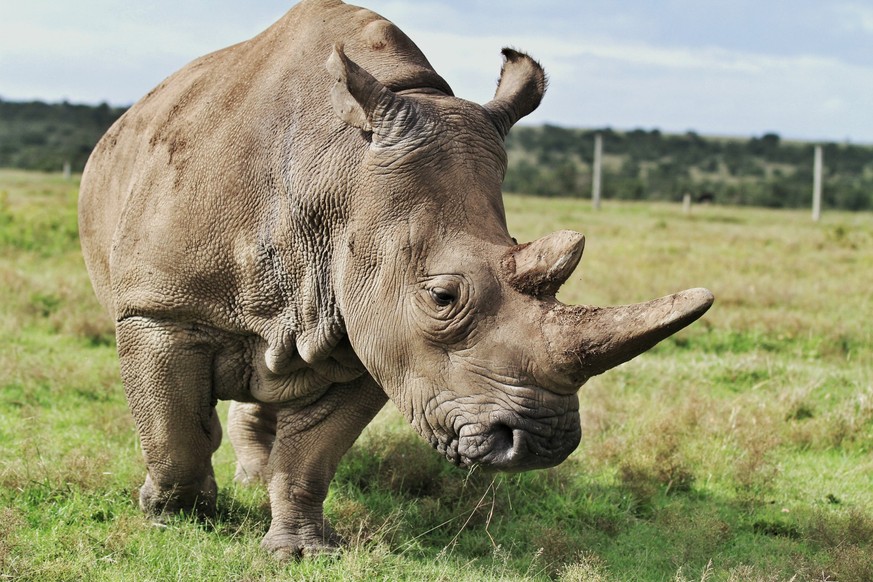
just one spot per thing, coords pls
(504, 441)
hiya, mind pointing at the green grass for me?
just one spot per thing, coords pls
(742, 449)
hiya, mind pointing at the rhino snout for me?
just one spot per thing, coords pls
(510, 442)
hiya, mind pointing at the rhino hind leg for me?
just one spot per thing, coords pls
(251, 427)
(167, 374)
(310, 441)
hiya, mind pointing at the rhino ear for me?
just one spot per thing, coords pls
(520, 90)
(361, 101)
(356, 93)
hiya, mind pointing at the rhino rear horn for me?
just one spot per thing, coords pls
(540, 268)
(361, 101)
(520, 90)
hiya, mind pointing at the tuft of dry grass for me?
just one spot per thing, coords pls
(12, 521)
(587, 568)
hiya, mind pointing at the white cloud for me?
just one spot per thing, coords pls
(633, 84)
(800, 97)
(856, 17)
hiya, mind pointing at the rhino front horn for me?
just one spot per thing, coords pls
(586, 341)
(540, 268)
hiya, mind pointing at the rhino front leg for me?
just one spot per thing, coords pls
(309, 444)
(251, 427)
(167, 374)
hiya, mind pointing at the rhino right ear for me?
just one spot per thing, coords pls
(361, 101)
(520, 90)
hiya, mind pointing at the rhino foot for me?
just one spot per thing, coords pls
(304, 542)
(197, 499)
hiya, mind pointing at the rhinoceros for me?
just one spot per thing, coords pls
(310, 223)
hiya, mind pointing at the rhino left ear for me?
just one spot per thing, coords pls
(361, 101)
(356, 93)
(520, 90)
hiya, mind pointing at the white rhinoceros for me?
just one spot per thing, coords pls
(309, 223)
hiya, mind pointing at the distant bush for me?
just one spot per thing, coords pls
(648, 165)
(43, 136)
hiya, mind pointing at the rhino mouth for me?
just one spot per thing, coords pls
(510, 442)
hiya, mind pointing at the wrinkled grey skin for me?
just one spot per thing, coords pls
(308, 224)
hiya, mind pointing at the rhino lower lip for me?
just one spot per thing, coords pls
(449, 450)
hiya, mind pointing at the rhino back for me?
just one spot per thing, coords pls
(209, 200)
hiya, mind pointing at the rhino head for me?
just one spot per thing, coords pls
(458, 323)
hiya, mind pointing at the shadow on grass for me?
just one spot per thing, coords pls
(393, 491)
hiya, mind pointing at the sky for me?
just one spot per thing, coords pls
(802, 69)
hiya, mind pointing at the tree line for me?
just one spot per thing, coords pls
(649, 165)
(43, 136)
(545, 160)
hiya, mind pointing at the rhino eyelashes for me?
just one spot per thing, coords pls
(442, 296)
(448, 297)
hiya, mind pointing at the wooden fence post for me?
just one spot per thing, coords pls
(598, 162)
(816, 184)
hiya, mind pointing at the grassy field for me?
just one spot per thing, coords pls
(742, 449)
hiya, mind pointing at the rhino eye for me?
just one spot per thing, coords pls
(442, 296)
